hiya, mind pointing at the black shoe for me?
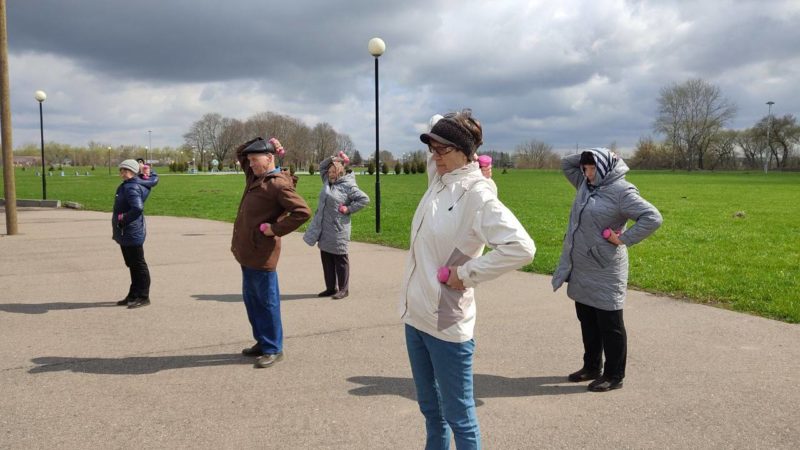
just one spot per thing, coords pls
(253, 351)
(340, 295)
(583, 375)
(268, 360)
(139, 302)
(326, 293)
(603, 384)
(125, 301)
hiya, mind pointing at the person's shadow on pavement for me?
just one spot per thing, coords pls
(42, 308)
(134, 365)
(485, 386)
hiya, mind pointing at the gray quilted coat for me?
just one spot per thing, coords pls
(596, 270)
(329, 228)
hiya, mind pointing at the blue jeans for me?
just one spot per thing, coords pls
(263, 302)
(443, 376)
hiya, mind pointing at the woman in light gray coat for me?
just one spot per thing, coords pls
(339, 198)
(594, 259)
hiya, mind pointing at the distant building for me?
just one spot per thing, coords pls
(27, 161)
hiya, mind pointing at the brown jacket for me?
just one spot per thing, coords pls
(269, 198)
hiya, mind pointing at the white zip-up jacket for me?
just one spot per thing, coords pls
(458, 215)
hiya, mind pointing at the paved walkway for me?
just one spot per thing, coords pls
(78, 372)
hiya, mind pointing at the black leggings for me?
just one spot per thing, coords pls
(140, 274)
(603, 332)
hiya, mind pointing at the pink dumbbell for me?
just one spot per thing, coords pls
(606, 233)
(443, 274)
(343, 209)
(484, 161)
(263, 227)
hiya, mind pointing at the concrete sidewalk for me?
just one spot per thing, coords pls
(79, 372)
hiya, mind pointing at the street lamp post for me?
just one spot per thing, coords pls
(769, 126)
(109, 160)
(41, 97)
(150, 144)
(376, 48)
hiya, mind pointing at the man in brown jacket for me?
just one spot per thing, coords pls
(270, 208)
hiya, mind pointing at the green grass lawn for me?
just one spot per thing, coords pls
(701, 252)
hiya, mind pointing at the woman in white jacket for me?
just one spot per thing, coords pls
(458, 215)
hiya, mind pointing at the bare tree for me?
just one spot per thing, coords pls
(649, 154)
(722, 151)
(230, 136)
(345, 144)
(293, 134)
(784, 136)
(754, 147)
(323, 138)
(535, 154)
(196, 138)
(689, 115)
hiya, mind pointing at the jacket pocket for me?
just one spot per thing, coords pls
(602, 260)
(452, 307)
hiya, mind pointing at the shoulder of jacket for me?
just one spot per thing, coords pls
(279, 179)
(483, 187)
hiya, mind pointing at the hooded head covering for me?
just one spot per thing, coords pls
(602, 159)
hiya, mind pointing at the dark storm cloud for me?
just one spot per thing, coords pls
(586, 72)
(206, 41)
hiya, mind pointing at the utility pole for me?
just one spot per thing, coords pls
(769, 144)
(5, 128)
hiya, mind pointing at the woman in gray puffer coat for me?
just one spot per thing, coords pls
(594, 259)
(339, 198)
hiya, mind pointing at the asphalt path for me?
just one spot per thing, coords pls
(76, 371)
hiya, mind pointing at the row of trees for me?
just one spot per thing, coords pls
(95, 153)
(692, 117)
(214, 136)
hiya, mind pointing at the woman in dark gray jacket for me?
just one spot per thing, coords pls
(339, 198)
(594, 259)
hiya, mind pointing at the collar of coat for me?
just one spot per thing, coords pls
(466, 176)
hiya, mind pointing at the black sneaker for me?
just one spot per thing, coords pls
(253, 351)
(326, 293)
(125, 301)
(139, 302)
(268, 360)
(604, 384)
(584, 375)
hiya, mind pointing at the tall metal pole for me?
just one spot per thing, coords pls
(9, 187)
(769, 144)
(377, 157)
(150, 144)
(109, 160)
(41, 133)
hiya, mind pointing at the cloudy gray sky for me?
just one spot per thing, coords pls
(568, 72)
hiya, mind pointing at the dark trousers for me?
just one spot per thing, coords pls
(140, 274)
(603, 332)
(335, 268)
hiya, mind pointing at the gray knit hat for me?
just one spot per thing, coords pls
(131, 165)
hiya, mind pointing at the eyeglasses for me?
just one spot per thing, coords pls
(440, 150)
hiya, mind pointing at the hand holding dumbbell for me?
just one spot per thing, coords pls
(266, 229)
